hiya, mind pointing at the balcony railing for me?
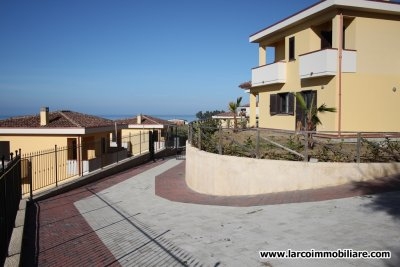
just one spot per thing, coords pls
(269, 74)
(325, 63)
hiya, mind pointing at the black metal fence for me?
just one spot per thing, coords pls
(48, 168)
(10, 196)
(297, 146)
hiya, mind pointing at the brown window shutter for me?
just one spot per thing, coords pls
(315, 98)
(291, 104)
(273, 104)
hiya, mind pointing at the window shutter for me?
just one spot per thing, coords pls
(291, 104)
(291, 48)
(273, 104)
(314, 93)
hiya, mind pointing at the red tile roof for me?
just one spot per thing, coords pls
(57, 119)
(146, 120)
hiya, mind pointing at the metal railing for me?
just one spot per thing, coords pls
(297, 146)
(10, 196)
(48, 168)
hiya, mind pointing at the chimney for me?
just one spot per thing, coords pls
(139, 119)
(44, 116)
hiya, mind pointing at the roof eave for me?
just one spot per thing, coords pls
(145, 126)
(56, 131)
(42, 131)
(305, 14)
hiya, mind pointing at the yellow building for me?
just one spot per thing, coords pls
(77, 142)
(135, 134)
(226, 119)
(343, 53)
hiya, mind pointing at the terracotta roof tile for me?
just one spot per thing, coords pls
(57, 119)
(146, 120)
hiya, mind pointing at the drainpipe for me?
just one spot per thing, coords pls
(340, 56)
(80, 160)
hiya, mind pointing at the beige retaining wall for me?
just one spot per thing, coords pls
(233, 176)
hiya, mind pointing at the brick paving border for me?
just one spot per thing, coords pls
(58, 235)
(171, 185)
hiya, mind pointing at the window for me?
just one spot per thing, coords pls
(282, 103)
(72, 149)
(291, 48)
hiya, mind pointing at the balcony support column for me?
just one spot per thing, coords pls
(262, 55)
(253, 108)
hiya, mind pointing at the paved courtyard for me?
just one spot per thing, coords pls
(121, 221)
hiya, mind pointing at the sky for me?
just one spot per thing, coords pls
(130, 56)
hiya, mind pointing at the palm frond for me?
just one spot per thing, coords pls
(301, 101)
(316, 120)
(323, 108)
(238, 101)
(232, 107)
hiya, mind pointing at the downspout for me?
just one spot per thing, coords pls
(340, 56)
(80, 160)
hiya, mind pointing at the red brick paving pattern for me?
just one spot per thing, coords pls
(65, 238)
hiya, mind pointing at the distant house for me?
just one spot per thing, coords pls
(140, 126)
(178, 122)
(245, 110)
(341, 53)
(83, 139)
(227, 119)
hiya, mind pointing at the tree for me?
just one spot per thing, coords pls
(233, 108)
(312, 119)
(207, 114)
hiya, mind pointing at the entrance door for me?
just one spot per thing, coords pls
(301, 116)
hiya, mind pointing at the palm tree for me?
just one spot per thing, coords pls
(312, 119)
(233, 108)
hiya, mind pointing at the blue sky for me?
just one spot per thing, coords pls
(129, 57)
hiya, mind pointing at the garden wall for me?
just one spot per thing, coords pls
(233, 176)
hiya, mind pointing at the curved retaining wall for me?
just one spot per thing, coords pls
(234, 176)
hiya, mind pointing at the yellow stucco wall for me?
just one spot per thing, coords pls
(253, 109)
(305, 41)
(368, 100)
(138, 140)
(92, 145)
(34, 143)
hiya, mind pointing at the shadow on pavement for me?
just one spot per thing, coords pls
(385, 196)
(30, 239)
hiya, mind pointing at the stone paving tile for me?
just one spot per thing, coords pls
(62, 237)
(132, 241)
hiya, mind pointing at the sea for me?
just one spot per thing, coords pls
(188, 118)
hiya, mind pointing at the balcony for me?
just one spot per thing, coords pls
(269, 74)
(324, 63)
